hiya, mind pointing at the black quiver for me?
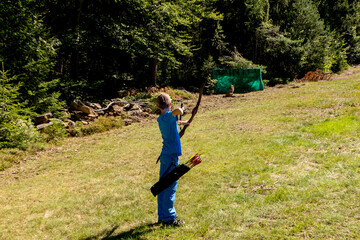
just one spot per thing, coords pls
(168, 179)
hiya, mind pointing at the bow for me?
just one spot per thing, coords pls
(194, 111)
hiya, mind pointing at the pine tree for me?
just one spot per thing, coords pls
(16, 129)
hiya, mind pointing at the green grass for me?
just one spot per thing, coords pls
(282, 163)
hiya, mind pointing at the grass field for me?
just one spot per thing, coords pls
(283, 163)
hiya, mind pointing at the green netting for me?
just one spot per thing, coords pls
(244, 80)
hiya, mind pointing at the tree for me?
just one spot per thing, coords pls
(28, 50)
(343, 17)
(16, 129)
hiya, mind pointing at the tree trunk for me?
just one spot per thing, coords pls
(75, 54)
(153, 72)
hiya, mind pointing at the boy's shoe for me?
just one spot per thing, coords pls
(177, 222)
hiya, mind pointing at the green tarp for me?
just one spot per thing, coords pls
(244, 80)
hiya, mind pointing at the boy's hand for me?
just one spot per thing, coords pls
(183, 123)
(182, 109)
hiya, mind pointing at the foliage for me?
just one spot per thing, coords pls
(16, 129)
(343, 17)
(61, 51)
(54, 133)
(289, 37)
(29, 50)
(208, 66)
(339, 57)
(182, 95)
(18, 133)
(138, 97)
(237, 61)
(102, 124)
(281, 54)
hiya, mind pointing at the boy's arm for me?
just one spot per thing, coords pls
(178, 111)
(184, 123)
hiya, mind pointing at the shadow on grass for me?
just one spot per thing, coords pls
(134, 233)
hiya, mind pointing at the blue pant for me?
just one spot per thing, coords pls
(166, 199)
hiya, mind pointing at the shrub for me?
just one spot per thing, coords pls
(54, 132)
(9, 157)
(16, 129)
(237, 61)
(183, 94)
(102, 124)
(138, 96)
(18, 133)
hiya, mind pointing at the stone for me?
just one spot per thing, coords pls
(70, 124)
(139, 113)
(128, 121)
(128, 106)
(116, 109)
(55, 120)
(84, 122)
(45, 118)
(77, 115)
(80, 106)
(93, 105)
(136, 107)
(44, 125)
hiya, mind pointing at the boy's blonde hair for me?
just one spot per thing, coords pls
(163, 101)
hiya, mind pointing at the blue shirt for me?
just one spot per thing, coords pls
(170, 134)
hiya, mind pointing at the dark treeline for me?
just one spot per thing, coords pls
(53, 52)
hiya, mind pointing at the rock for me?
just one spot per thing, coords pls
(80, 106)
(119, 103)
(147, 110)
(75, 105)
(93, 105)
(136, 107)
(132, 107)
(293, 85)
(128, 121)
(43, 119)
(70, 124)
(66, 112)
(138, 113)
(128, 106)
(116, 109)
(55, 120)
(144, 104)
(44, 125)
(77, 115)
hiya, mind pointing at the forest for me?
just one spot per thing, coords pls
(53, 52)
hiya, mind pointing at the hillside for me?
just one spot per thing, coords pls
(282, 163)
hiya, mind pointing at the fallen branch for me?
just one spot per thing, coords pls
(109, 105)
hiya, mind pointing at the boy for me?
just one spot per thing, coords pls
(171, 150)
